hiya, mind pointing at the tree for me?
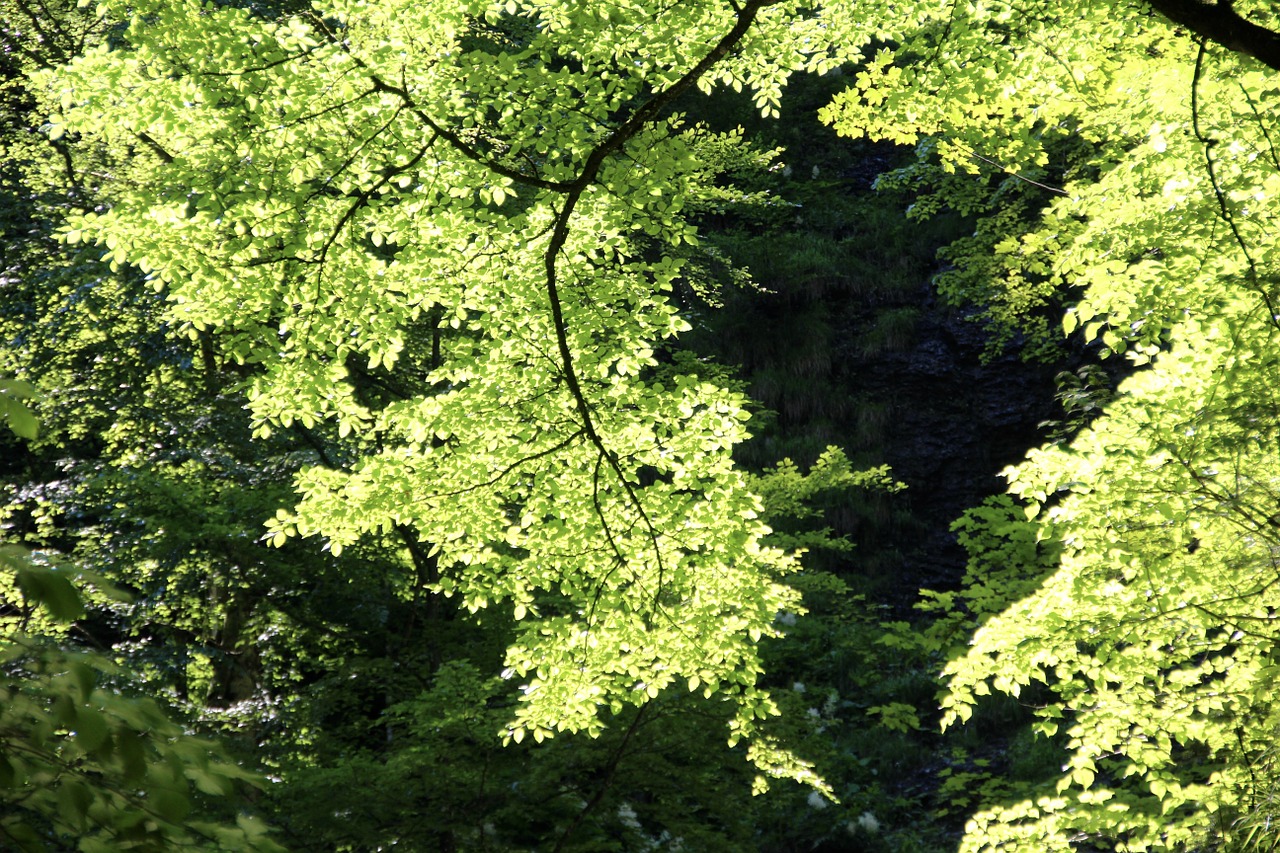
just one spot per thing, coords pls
(323, 668)
(445, 231)
(1141, 593)
(442, 236)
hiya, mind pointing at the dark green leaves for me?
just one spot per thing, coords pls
(50, 589)
(79, 758)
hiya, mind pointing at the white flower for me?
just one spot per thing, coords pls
(798, 687)
(817, 801)
(627, 816)
(868, 821)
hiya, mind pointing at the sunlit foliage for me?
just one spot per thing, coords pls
(1141, 162)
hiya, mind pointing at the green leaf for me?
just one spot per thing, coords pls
(52, 591)
(210, 783)
(20, 419)
(92, 731)
(172, 805)
(86, 677)
(133, 755)
(74, 799)
(1083, 776)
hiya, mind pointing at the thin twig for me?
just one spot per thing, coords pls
(603, 787)
(1224, 209)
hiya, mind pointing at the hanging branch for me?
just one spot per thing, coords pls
(1224, 209)
(1220, 23)
(643, 115)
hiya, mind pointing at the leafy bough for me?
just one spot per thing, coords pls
(326, 193)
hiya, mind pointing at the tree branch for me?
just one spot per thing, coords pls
(1220, 23)
(1224, 209)
(610, 769)
(646, 113)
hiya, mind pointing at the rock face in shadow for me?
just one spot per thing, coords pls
(896, 378)
(954, 423)
(843, 336)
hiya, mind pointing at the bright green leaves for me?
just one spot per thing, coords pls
(13, 408)
(452, 242)
(1040, 115)
(1130, 174)
(1151, 624)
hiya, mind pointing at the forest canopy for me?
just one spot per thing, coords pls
(416, 272)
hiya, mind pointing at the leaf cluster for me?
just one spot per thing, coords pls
(1124, 171)
(81, 761)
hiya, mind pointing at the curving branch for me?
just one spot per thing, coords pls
(468, 151)
(644, 115)
(607, 782)
(1225, 213)
(1221, 24)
